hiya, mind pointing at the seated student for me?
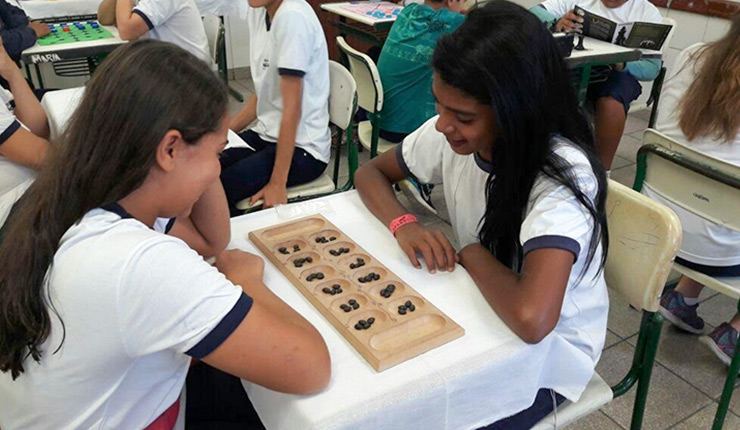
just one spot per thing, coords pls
(698, 107)
(174, 21)
(23, 132)
(291, 139)
(104, 336)
(17, 32)
(612, 97)
(525, 189)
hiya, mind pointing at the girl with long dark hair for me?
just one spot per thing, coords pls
(524, 189)
(100, 310)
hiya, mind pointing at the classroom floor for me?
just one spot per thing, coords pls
(687, 379)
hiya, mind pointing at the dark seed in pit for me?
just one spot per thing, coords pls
(352, 301)
(412, 308)
(371, 320)
(402, 311)
(339, 290)
(345, 308)
(355, 305)
(332, 238)
(376, 276)
(308, 259)
(319, 275)
(391, 287)
(408, 303)
(282, 250)
(326, 290)
(352, 265)
(358, 326)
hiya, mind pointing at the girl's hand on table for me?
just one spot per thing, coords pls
(433, 245)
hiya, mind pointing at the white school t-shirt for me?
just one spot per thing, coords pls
(631, 11)
(294, 44)
(136, 305)
(14, 178)
(554, 219)
(178, 22)
(704, 242)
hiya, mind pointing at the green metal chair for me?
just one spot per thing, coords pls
(707, 187)
(369, 96)
(342, 108)
(644, 237)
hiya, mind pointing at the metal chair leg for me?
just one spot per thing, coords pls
(724, 402)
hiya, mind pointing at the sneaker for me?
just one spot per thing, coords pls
(422, 193)
(721, 341)
(673, 307)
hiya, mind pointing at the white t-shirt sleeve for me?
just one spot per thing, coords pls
(8, 123)
(420, 154)
(294, 49)
(168, 298)
(164, 225)
(651, 14)
(558, 7)
(557, 219)
(157, 12)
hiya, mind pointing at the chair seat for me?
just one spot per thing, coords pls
(322, 185)
(729, 286)
(365, 133)
(596, 395)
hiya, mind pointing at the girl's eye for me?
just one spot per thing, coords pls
(465, 121)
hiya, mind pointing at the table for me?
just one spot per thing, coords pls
(365, 27)
(597, 53)
(44, 9)
(487, 374)
(59, 106)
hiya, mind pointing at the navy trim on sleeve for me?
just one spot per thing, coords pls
(553, 241)
(402, 163)
(291, 72)
(223, 330)
(170, 224)
(12, 128)
(145, 18)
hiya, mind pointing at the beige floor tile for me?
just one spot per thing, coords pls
(620, 162)
(611, 339)
(634, 124)
(735, 401)
(643, 114)
(625, 175)
(670, 399)
(705, 417)
(628, 147)
(596, 421)
(623, 320)
(246, 83)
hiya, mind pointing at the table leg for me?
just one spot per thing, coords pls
(225, 69)
(38, 76)
(583, 84)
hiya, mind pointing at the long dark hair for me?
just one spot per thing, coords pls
(504, 57)
(139, 93)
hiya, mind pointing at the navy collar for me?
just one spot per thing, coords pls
(483, 164)
(268, 23)
(118, 210)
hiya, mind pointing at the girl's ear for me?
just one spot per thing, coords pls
(168, 149)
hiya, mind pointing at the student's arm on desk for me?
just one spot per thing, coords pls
(529, 303)
(374, 182)
(207, 229)
(130, 25)
(245, 116)
(107, 12)
(273, 346)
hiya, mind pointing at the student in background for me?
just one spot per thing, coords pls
(104, 336)
(612, 97)
(291, 141)
(17, 31)
(525, 190)
(24, 131)
(174, 21)
(699, 108)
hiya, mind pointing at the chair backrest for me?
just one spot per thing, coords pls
(705, 186)
(342, 95)
(643, 239)
(367, 78)
(212, 25)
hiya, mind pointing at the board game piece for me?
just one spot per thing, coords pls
(362, 302)
(72, 32)
(579, 46)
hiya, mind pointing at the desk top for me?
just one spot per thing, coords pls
(51, 53)
(365, 12)
(487, 374)
(598, 52)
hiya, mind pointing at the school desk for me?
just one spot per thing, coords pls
(59, 106)
(365, 20)
(483, 376)
(597, 53)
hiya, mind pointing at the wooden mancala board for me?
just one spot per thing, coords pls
(386, 320)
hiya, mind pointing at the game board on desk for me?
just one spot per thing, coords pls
(377, 10)
(382, 317)
(71, 32)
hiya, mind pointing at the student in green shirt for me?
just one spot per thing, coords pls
(404, 64)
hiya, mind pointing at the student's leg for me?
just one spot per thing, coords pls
(544, 403)
(244, 172)
(612, 100)
(304, 168)
(689, 288)
(679, 306)
(392, 136)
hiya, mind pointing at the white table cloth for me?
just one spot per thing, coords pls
(486, 375)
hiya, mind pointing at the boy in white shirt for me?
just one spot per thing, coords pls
(174, 21)
(291, 139)
(611, 98)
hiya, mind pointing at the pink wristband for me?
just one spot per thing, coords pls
(402, 220)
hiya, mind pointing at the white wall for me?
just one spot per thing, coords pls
(237, 42)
